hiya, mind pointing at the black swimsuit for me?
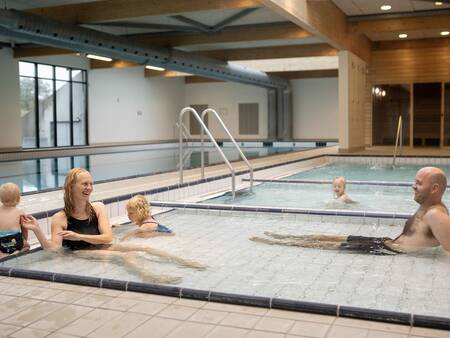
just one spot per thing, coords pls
(87, 226)
(11, 242)
(372, 245)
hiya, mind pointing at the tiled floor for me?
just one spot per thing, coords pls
(30, 308)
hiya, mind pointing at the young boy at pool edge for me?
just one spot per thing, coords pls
(13, 238)
(139, 212)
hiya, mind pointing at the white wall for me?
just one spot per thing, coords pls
(224, 97)
(10, 121)
(124, 106)
(315, 106)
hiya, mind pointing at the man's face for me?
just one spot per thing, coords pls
(83, 186)
(422, 186)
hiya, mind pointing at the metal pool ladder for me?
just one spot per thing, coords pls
(398, 140)
(250, 168)
(203, 128)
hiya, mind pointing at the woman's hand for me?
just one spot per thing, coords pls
(69, 235)
(29, 222)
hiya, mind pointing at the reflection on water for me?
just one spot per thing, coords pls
(49, 173)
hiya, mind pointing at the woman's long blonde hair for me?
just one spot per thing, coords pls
(70, 180)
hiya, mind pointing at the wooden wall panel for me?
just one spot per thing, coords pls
(405, 65)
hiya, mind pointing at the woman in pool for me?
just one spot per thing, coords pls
(84, 227)
(139, 212)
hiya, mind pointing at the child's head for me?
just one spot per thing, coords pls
(339, 186)
(138, 208)
(9, 194)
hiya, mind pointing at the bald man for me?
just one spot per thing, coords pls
(428, 227)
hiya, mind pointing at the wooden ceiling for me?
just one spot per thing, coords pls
(246, 29)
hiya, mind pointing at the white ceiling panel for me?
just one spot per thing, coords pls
(368, 7)
(291, 64)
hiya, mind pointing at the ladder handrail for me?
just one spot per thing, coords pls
(210, 110)
(398, 139)
(203, 126)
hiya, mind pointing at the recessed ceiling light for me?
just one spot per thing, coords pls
(155, 68)
(445, 33)
(385, 7)
(97, 57)
(403, 36)
(438, 3)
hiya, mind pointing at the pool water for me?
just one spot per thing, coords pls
(49, 173)
(365, 172)
(320, 196)
(407, 283)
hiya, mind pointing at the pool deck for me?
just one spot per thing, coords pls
(31, 308)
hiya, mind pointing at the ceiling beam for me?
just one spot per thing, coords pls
(119, 9)
(275, 31)
(277, 52)
(233, 34)
(33, 51)
(323, 19)
(302, 74)
(272, 52)
(401, 24)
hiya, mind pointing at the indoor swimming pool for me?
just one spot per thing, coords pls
(49, 173)
(320, 196)
(413, 283)
(375, 170)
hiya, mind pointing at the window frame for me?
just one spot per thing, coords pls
(70, 81)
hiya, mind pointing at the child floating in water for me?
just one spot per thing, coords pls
(139, 212)
(13, 239)
(339, 190)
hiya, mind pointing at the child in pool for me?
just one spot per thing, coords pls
(139, 212)
(13, 238)
(339, 190)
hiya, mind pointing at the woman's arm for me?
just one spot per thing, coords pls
(58, 222)
(104, 228)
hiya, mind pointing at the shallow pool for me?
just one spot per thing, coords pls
(367, 172)
(407, 283)
(320, 196)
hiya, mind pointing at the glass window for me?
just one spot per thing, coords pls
(79, 114)
(27, 111)
(78, 75)
(62, 73)
(447, 114)
(427, 114)
(27, 69)
(46, 120)
(60, 117)
(63, 113)
(45, 71)
(389, 102)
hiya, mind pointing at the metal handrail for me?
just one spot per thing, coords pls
(203, 126)
(398, 139)
(209, 110)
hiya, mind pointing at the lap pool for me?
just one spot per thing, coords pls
(36, 175)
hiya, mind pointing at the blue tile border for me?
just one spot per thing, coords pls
(245, 208)
(376, 315)
(441, 323)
